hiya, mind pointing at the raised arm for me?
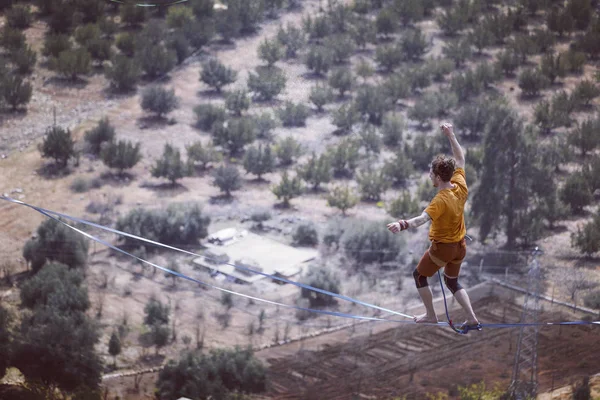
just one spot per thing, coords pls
(457, 151)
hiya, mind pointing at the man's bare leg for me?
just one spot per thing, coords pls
(427, 297)
(463, 299)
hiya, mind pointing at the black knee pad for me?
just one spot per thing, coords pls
(452, 284)
(420, 280)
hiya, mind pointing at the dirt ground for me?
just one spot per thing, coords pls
(118, 290)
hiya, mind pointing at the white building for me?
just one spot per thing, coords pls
(230, 246)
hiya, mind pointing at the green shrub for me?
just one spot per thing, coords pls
(414, 45)
(396, 87)
(19, 16)
(344, 118)
(159, 100)
(342, 198)
(319, 60)
(202, 154)
(72, 63)
(56, 44)
(306, 235)
(287, 188)
(227, 178)
(121, 155)
(259, 160)
(317, 170)
(341, 47)
(574, 61)
(385, 22)
(234, 134)
(56, 242)
(288, 150)
(170, 165)
(80, 185)
(265, 123)
(123, 73)
(399, 169)
(370, 102)
(16, 92)
(237, 102)
(532, 81)
(270, 51)
(320, 96)
(403, 206)
(344, 157)
(132, 15)
(12, 39)
(219, 366)
(104, 132)
(388, 57)
(207, 115)
(266, 84)
(293, 114)
(587, 240)
(292, 38)
(58, 144)
(341, 79)
(391, 129)
(178, 16)
(439, 67)
(592, 299)
(372, 184)
(154, 59)
(24, 59)
(458, 51)
(507, 61)
(576, 193)
(367, 242)
(323, 279)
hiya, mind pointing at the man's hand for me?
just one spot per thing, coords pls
(447, 129)
(396, 227)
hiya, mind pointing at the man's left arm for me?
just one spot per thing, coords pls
(418, 221)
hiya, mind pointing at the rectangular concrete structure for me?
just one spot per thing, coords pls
(253, 251)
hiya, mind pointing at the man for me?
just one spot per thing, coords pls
(447, 231)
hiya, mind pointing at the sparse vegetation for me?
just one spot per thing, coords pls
(345, 101)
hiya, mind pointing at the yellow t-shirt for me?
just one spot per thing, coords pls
(446, 211)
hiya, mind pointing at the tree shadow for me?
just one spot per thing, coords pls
(282, 206)
(223, 44)
(268, 103)
(313, 76)
(257, 182)
(588, 262)
(66, 83)
(53, 171)
(221, 199)
(165, 189)
(210, 94)
(154, 122)
(154, 80)
(112, 93)
(7, 113)
(117, 180)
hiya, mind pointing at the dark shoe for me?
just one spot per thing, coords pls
(466, 327)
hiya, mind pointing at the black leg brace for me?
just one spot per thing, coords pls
(452, 284)
(420, 280)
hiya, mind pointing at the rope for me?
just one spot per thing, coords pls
(53, 215)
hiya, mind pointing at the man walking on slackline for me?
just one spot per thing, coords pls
(447, 232)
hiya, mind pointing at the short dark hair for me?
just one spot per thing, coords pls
(443, 166)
